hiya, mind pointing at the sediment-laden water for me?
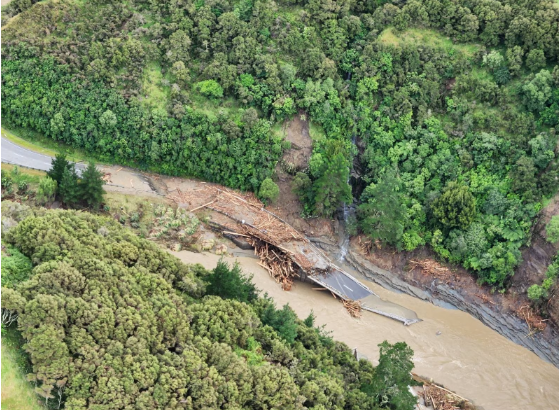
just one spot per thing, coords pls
(450, 346)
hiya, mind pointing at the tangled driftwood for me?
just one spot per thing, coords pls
(276, 262)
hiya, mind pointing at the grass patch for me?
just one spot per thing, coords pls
(34, 141)
(316, 131)
(156, 95)
(17, 392)
(428, 37)
(23, 174)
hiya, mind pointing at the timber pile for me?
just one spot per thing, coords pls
(532, 319)
(432, 268)
(442, 399)
(276, 262)
(353, 307)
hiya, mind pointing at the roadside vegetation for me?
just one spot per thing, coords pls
(453, 106)
(94, 302)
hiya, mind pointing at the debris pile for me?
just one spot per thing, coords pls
(532, 319)
(432, 268)
(353, 307)
(443, 399)
(276, 262)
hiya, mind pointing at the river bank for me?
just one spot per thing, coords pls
(470, 361)
(466, 356)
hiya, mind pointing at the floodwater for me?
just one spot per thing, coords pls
(467, 356)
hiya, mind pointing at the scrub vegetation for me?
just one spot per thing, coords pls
(111, 321)
(454, 105)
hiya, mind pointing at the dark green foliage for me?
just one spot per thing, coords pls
(58, 166)
(393, 376)
(331, 189)
(456, 207)
(180, 88)
(229, 283)
(112, 321)
(282, 320)
(68, 189)
(382, 214)
(90, 188)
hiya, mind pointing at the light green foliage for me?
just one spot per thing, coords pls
(108, 119)
(552, 229)
(46, 191)
(269, 190)
(174, 223)
(209, 88)
(16, 267)
(456, 207)
(535, 59)
(493, 60)
(538, 91)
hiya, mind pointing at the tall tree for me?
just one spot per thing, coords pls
(58, 165)
(456, 207)
(91, 186)
(68, 188)
(332, 189)
(383, 214)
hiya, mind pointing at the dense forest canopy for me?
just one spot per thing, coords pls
(453, 104)
(113, 322)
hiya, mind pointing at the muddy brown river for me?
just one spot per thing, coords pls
(466, 357)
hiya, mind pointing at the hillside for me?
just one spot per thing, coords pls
(112, 321)
(452, 105)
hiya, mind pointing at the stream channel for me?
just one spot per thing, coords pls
(466, 356)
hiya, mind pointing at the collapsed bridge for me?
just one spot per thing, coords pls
(283, 251)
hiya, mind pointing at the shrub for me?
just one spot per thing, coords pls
(269, 191)
(209, 88)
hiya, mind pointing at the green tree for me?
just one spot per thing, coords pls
(552, 229)
(331, 189)
(523, 176)
(514, 59)
(91, 187)
(269, 190)
(68, 190)
(456, 207)
(393, 376)
(229, 283)
(58, 165)
(209, 88)
(282, 320)
(535, 59)
(538, 91)
(382, 214)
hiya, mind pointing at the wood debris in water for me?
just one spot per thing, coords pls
(443, 399)
(353, 307)
(276, 262)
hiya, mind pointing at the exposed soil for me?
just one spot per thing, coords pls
(294, 160)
